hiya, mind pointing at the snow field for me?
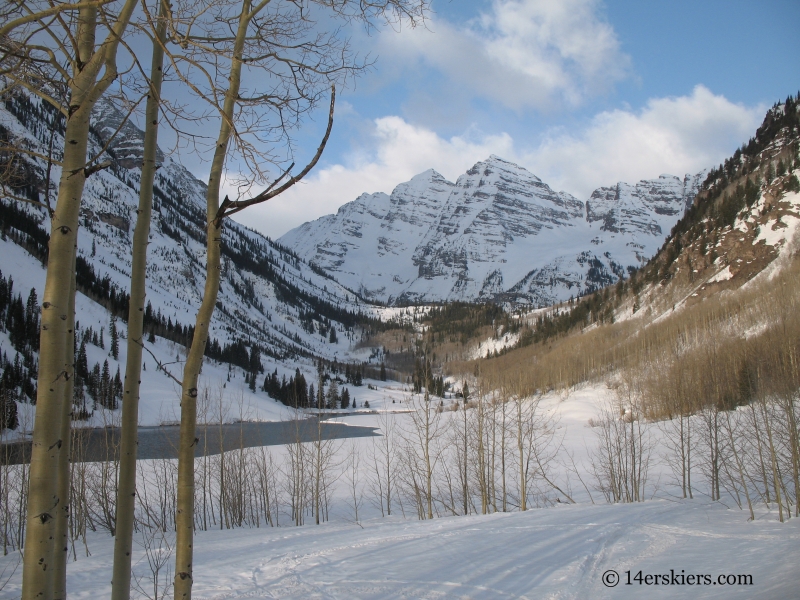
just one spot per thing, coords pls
(556, 552)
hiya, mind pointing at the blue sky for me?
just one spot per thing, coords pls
(582, 93)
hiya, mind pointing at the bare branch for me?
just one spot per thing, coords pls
(159, 365)
(19, 150)
(16, 198)
(32, 17)
(88, 171)
(238, 205)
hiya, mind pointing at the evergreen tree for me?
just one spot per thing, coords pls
(320, 386)
(32, 321)
(105, 390)
(383, 372)
(81, 364)
(114, 338)
(333, 339)
(116, 395)
(345, 399)
(8, 410)
(94, 384)
(254, 363)
(79, 398)
(300, 389)
(333, 395)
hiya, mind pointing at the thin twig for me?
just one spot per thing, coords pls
(160, 366)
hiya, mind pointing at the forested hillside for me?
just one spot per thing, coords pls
(704, 340)
(273, 306)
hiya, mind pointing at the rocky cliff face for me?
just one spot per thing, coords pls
(646, 206)
(497, 233)
(125, 140)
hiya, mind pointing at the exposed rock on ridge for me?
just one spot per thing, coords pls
(497, 233)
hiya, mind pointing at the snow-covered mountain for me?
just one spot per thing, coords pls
(497, 233)
(270, 300)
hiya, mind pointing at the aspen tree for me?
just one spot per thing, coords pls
(86, 69)
(503, 431)
(480, 423)
(63, 512)
(520, 420)
(384, 458)
(465, 448)
(126, 495)
(259, 36)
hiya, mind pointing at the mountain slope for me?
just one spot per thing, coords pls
(497, 233)
(726, 275)
(272, 304)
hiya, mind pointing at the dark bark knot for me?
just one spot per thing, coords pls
(45, 517)
(45, 305)
(64, 229)
(184, 575)
(193, 393)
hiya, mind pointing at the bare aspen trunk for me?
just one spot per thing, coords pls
(739, 467)
(774, 459)
(689, 457)
(43, 500)
(503, 451)
(62, 514)
(492, 465)
(481, 456)
(760, 454)
(185, 505)
(523, 492)
(428, 465)
(126, 493)
(317, 469)
(465, 475)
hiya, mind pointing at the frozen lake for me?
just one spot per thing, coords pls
(162, 441)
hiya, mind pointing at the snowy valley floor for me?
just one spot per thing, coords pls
(553, 553)
(558, 552)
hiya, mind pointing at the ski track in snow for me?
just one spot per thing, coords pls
(558, 553)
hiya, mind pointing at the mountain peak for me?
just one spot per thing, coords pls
(496, 163)
(499, 232)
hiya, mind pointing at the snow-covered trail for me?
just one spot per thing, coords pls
(555, 553)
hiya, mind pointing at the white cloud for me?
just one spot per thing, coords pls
(523, 53)
(396, 152)
(677, 135)
(669, 135)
